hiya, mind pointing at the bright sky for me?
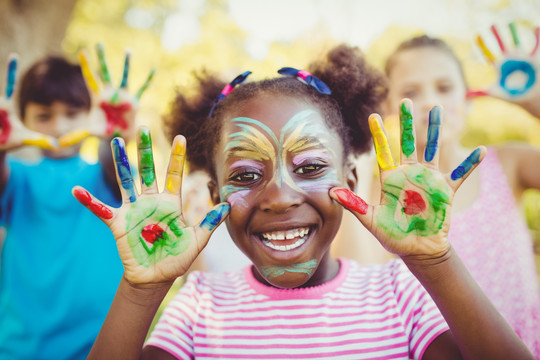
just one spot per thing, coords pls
(357, 22)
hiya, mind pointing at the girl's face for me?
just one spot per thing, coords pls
(429, 76)
(276, 161)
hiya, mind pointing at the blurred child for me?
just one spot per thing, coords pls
(488, 229)
(53, 297)
(277, 153)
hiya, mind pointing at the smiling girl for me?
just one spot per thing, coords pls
(278, 153)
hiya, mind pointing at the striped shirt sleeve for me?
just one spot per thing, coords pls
(421, 318)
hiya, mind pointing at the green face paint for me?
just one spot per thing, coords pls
(404, 212)
(155, 232)
(271, 272)
(406, 123)
(146, 167)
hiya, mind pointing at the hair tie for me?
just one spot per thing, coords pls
(228, 88)
(306, 78)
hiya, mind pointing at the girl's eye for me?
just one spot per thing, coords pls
(409, 94)
(445, 88)
(309, 169)
(247, 177)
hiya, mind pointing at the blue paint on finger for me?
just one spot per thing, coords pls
(433, 133)
(10, 83)
(213, 218)
(123, 169)
(467, 164)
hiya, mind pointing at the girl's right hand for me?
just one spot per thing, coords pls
(13, 133)
(153, 241)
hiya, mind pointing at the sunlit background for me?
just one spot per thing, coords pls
(230, 36)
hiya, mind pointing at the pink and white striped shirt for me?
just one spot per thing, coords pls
(365, 312)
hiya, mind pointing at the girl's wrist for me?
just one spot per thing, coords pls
(430, 266)
(144, 294)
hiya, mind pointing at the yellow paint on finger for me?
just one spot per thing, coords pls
(87, 73)
(382, 148)
(73, 137)
(482, 45)
(176, 168)
(42, 142)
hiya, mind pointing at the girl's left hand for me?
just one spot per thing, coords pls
(114, 108)
(517, 71)
(413, 216)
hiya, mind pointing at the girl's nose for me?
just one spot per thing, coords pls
(279, 198)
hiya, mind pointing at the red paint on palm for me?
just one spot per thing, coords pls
(351, 201)
(98, 209)
(414, 203)
(115, 115)
(5, 127)
(152, 233)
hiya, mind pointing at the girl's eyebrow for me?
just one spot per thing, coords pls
(248, 152)
(312, 154)
(247, 163)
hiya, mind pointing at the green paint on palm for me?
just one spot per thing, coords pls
(271, 272)
(148, 175)
(406, 124)
(173, 241)
(392, 218)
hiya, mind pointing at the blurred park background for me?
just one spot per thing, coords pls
(231, 36)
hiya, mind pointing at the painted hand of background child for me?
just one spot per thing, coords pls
(517, 71)
(153, 241)
(413, 216)
(114, 108)
(13, 133)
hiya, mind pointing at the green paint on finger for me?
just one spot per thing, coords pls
(146, 168)
(154, 231)
(406, 123)
(421, 211)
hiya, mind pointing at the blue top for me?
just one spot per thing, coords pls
(59, 265)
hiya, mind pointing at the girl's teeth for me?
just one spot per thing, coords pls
(284, 247)
(286, 235)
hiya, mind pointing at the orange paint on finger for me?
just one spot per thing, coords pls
(488, 54)
(382, 148)
(87, 73)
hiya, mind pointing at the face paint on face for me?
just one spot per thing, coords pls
(420, 209)
(272, 272)
(158, 235)
(302, 139)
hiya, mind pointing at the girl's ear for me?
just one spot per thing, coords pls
(214, 193)
(352, 177)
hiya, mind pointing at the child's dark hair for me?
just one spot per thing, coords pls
(53, 79)
(357, 91)
(423, 41)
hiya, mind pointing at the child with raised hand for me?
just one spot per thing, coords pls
(488, 228)
(277, 152)
(53, 297)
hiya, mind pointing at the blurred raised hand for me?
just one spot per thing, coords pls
(114, 108)
(413, 216)
(13, 133)
(153, 241)
(517, 67)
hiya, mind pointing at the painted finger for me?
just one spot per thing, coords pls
(102, 211)
(104, 69)
(487, 53)
(73, 137)
(498, 38)
(146, 161)
(431, 152)
(210, 222)
(33, 138)
(382, 148)
(408, 144)
(11, 75)
(173, 180)
(514, 33)
(352, 202)
(466, 167)
(537, 41)
(125, 74)
(146, 83)
(87, 73)
(123, 171)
